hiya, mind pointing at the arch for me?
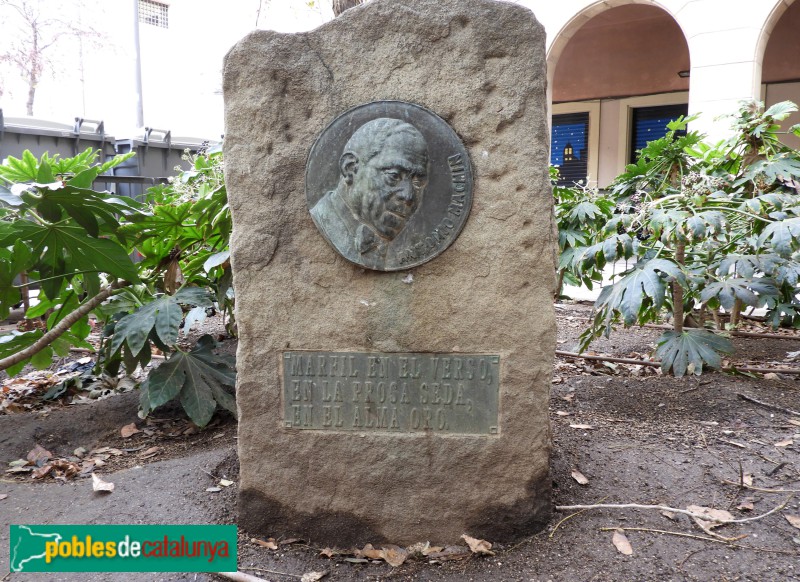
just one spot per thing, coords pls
(573, 25)
(769, 26)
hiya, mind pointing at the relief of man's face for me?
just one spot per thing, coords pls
(390, 185)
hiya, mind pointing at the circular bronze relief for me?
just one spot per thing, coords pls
(389, 185)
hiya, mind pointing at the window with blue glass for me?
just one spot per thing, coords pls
(569, 147)
(650, 123)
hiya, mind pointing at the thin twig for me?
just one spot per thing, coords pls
(673, 510)
(767, 404)
(569, 517)
(273, 572)
(62, 326)
(653, 364)
(243, 577)
(608, 359)
(696, 537)
(776, 469)
(761, 489)
(736, 333)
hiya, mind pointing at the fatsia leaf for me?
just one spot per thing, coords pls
(195, 315)
(782, 235)
(196, 378)
(746, 290)
(10, 198)
(216, 260)
(196, 296)
(645, 281)
(134, 328)
(781, 111)
(690, 350)
(15, 342)
(68, 245)
(784, 165)
(163, 314)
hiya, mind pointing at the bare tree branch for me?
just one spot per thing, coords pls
(62, 326)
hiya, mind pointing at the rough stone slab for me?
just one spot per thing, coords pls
(480, 65)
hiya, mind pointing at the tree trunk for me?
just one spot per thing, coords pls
(340, 6)
(677, 291)
(736, 312)
(35, 68)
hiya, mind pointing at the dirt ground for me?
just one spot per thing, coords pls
(634, 436)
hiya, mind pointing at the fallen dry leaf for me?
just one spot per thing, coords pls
(582, 426)
(213, 489)
(480, 547)
(128, 430)
(313, 576)
(794, 422)
(99, 485)
(42, 471)
(356, 560)
(747, 479)
(269, 544)
(369, 552)
(621, 542)
(669, 515)
(39, 455)
(793, 519)
(562, 413)
(3, 496)
(225, 482)
(151, 452)
(746, 504)
(431, 550)
(394, 555)
(714, 517)
(568, 397)
(579, 477)
(785, 443)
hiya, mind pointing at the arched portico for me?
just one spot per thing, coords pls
(778, 52)
(614, 66)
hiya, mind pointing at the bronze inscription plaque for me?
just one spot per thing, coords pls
(400, 392)
(389, 185)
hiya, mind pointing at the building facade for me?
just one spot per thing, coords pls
(618, 70)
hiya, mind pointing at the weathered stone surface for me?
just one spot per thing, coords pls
(480, 65)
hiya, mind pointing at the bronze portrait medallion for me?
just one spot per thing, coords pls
(389, 185)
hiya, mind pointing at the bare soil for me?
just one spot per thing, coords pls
(652, 439)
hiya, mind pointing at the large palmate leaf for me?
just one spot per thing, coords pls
(646, 281)
(784, 165)
(690, 350)
(163, 316)
(784, 236)
(197, 378)
(15, 342)
(748, 291)
(66, 246)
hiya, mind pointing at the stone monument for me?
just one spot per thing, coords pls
(394, 260)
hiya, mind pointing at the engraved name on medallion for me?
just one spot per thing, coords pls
(399, 392)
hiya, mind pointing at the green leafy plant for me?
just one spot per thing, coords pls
(76, 244)
(713, 227)
(581, 213)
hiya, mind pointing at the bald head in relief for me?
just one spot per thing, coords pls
(383, 173)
